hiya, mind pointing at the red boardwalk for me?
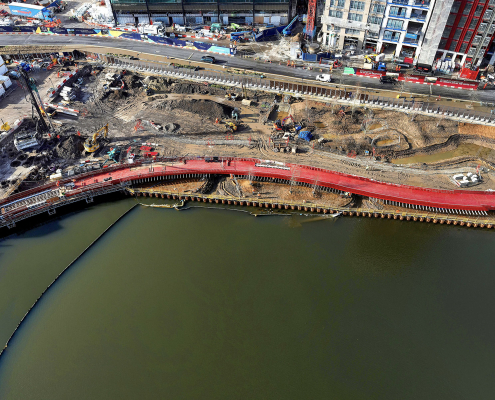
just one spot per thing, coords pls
(446, 199)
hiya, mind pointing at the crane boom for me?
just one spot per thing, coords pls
(310, 23)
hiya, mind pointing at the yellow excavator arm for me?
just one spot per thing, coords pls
(93, 144)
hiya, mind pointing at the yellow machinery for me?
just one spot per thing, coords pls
(5, 127)
(370, 58)
(231, 126)
(93, 143)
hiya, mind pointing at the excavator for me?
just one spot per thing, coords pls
(93, 143)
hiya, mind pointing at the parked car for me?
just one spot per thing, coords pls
(388, 79)
(208, 59)
(423, 67)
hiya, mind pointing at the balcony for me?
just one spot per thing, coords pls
(391, 38)
(401, 15)
(342, 23)
(395, 28)
(421, 4)
(411, 42)
(419, 17)
(374, 28)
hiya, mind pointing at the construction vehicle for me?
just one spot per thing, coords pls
(113, 155)
(231, 96)
(231, 126)
(288, 29)
(93, 143)
(370, 58)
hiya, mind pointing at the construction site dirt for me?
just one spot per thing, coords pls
(154, 115)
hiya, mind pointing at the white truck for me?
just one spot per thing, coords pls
(324, 78)
(157, 29)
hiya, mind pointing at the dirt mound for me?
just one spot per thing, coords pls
(206, 108)
(69, 148)
(117, 95)
(133, 81)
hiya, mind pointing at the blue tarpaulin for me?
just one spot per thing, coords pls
(305, 135)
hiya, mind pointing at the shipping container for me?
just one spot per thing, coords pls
(30, 11)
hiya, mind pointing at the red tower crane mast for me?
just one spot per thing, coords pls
(310, 23)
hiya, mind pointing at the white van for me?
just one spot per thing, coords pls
(324, 77)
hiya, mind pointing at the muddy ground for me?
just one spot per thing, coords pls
(171, 111)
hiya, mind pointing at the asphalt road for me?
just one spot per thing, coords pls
(369, 83)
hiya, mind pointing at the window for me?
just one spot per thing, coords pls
(375, 20)
(467, 8)
(457, 33)
(336, 14)
(442, 44)
(455, 6)
(468, 35)
(357, 5)
(463, 47)
(352, 32)
(451, 19)
(388, 35)
(397, 12)
(394, 24)
(446, 32)
(378, 8)
(478, 11)
(473, 23)
(477, 39)
(453, 45)
(462, 22)
(355, 17)
(337, 3)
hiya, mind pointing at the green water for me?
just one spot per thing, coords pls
(463, 150)
(216, 304)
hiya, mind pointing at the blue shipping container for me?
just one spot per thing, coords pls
(29, 11)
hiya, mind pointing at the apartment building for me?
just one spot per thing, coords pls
(351, 24)
(199, 12)
(463, 34)
(404, 26)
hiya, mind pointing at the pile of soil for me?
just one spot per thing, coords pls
(116, 95)
(69, 148)
(205, 108)
(193, 88)
(133, 81)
